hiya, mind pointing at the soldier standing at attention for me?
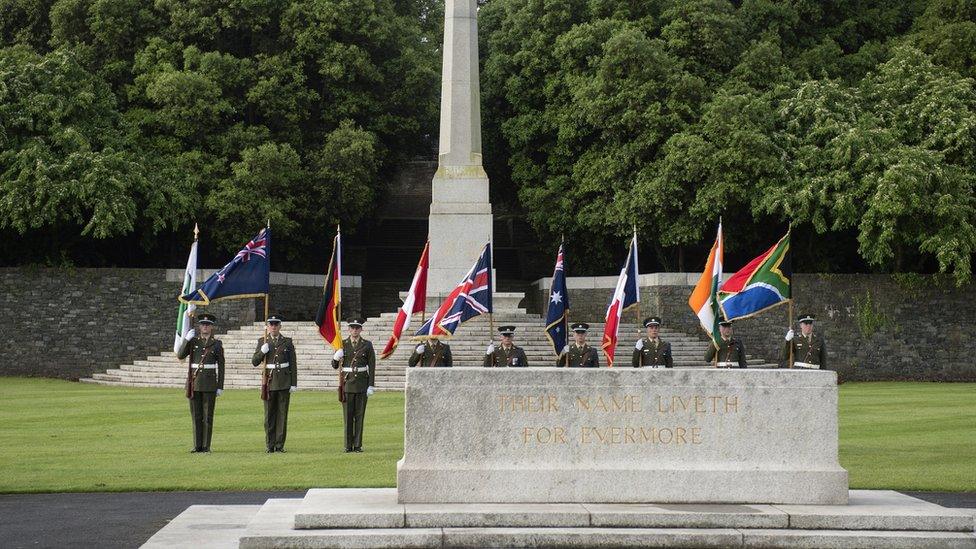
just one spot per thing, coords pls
(650, 351)
(358, 361)
(579, 354)
(507, 354)
(206, 379)
(731, 354)
(432, 354)
(809, 350)
(282, 372)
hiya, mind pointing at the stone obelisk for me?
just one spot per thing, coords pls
(460, 213)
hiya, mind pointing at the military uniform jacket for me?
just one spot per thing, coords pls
(358, 365)
(434, 355)
(282, 364)
(579, 357)
(205, 352)
(513, 357)
(654, 354)
(812, 350)
(730, 353)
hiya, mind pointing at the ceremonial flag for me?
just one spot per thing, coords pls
(470, 298)
(185, 312)
(763, 283)
(557, 314)
(247, 275)
(625, 295)
(327, 317)
(704, 299)
(414, 303)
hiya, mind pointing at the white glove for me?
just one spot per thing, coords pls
(220, 392)
(292, 389)
(566, 349)
(265, 348)
(639, 345)
(789, 335)
(190, 335)
(370, 391)
(491, 349)
(419, 349)
(338, 355)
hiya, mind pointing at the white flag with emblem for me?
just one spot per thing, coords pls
(183, 317)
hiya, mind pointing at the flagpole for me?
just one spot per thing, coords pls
(790, 327)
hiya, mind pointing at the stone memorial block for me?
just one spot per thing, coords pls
(623, 435)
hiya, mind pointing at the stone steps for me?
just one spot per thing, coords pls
(315, 357)
(372, 518)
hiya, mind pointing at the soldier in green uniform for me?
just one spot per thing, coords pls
(432, 354)
(808, 349)
(276, 353)
(731, 353)
(358, 361)
(651, 351)
(507, 354)
(206, 378)
(579, 354)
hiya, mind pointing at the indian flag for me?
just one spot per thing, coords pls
(704, 299)
(763, 283)
(185, 312)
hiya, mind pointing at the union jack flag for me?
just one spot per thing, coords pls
(470, 298)
(247, 275)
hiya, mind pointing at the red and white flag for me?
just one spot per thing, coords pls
(624, 296)
(414, 303)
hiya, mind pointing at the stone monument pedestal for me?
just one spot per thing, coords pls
(624, 435)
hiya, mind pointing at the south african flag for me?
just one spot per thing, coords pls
(764, 282)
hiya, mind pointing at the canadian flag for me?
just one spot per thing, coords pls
(414, 303)
(625, 295)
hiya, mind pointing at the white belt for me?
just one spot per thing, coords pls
(653, 366)
(807, 365)
(355, 370)
(205, 366)
(727, 364)
(282, 365)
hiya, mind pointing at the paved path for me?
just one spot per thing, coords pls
(129, 519)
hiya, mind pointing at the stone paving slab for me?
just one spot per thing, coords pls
(591, 537)
(686, 516)
(205, 527)
(350, 508)
(878, 510)
(856, 539)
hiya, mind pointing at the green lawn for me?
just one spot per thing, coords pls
(62, 436)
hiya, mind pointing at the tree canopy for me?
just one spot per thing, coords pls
(854, 122)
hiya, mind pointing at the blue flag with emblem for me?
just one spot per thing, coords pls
(557, 315)
(247, 275)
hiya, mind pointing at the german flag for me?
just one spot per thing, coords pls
(328, 316)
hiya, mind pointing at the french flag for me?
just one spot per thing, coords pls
(414, 303)
(625, 295)
(470, 298)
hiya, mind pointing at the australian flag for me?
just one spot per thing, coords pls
(557, 314)
(247, 275)
(470, 298)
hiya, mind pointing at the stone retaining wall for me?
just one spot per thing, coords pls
(877, 327)
(70, 323)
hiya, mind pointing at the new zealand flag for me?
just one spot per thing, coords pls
(247, 275)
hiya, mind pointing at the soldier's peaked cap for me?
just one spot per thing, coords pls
(725, 323)
(652, 321)
(581, 327)
(274, 319)
(356, 321)
(506, 330)
(807, 318)
(207, 318)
